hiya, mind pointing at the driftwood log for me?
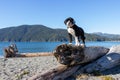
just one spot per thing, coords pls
(12, 51)
(72, 55)
(34, 54)
(73, 58)
(29, 54)
(110, 60)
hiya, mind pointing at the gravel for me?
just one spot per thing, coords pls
(23, 68)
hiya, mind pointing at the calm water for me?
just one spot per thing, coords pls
(24, 47)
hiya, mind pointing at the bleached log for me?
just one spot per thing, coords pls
(72, 55)
(9, 54)
(110, 60)
(34, 54)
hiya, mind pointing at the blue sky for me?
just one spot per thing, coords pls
(91, 15)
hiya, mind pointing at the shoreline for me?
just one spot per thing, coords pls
(48, 45)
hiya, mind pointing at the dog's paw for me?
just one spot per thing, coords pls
(70, 43)
(83, 45)
(77, 44)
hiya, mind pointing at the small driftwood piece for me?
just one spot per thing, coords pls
(10, 51)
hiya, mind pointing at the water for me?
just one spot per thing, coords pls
(25, 47)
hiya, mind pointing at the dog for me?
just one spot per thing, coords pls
(75, 31)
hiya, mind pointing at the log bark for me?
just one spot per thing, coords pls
(110, 60)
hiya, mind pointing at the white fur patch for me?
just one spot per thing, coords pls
(77, 43)
(71, 31)
(69, 24)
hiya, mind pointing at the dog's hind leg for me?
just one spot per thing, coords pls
(77, 43)
(83, 39)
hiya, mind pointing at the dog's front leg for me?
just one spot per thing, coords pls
(70, 38)
(77, 43)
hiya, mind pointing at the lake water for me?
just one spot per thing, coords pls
(24, 47)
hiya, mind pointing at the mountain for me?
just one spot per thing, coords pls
(110, 36)
(34, 33)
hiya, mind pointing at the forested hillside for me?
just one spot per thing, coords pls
(42, 33)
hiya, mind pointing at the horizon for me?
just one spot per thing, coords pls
(92, 15)
(57, 28)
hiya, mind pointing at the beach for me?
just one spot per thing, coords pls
(24, 68)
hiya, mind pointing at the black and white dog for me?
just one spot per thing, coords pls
(75, 31)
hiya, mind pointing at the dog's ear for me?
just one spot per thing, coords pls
(66, 20)
(69, 19)
(72, 20)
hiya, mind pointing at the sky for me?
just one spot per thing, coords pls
(91, 15)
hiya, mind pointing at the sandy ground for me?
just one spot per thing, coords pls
(23, 68)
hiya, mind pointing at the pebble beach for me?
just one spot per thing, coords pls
(24, 68)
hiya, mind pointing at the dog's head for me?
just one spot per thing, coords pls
(69, 22)
(68, 54)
